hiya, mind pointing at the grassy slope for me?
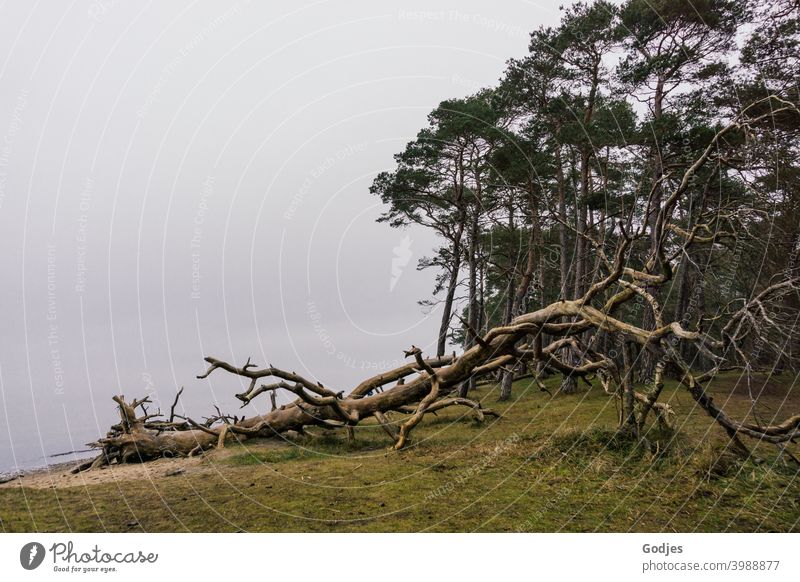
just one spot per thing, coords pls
(551, 464)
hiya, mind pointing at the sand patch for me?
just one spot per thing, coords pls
(58, 476)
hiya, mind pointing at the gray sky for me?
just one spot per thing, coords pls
(185, 179)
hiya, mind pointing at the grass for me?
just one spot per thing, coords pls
(550, 464)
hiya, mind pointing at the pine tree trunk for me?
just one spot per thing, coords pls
(473, 307)
(447, 311)
(568, 384)
(648, 361)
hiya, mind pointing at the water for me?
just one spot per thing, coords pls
(23, 466)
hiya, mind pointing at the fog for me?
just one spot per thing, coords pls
(186, 179)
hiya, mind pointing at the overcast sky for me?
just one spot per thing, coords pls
(181, 179)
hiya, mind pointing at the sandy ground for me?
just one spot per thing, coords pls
(58, 476)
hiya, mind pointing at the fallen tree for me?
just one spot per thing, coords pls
(552, 338)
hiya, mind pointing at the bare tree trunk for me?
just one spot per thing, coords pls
(647, 368)
(568, 383)
(581, 254)
(519, 293)
(473, 307)
(447, 310)
(628, 413)
(455, 268)
(507, 378)
(512, 270)
(683, 312)
(562, 225)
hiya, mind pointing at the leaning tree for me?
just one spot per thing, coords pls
(562, 337)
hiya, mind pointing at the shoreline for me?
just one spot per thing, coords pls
(59, 475)
(13, 474)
